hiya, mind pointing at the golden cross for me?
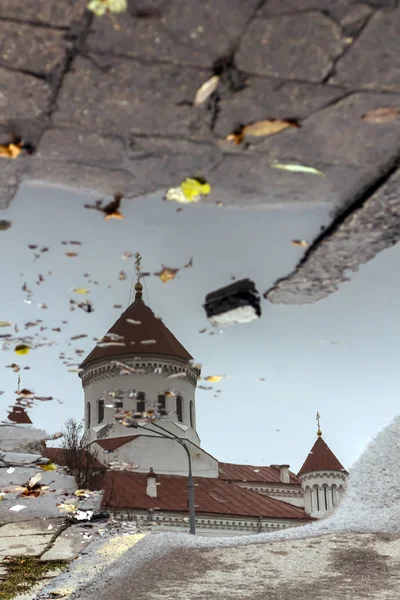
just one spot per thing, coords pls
(319, 432)
(138, 260)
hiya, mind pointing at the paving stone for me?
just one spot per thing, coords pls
(265, 98)
(73, 145)
(338, 135)
(301, 46)
(31, 528)
(22, 96)
(57, 14)
(11, 174)
(30, 48)
(24, 545)
(70, 543)
(181, 33)
(86, 177)
(126, 97)
(371, 228)
(373, 61)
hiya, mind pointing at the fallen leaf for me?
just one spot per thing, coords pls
(4, 225)
(214, 378)
(298, 169)
(66, 507)
(167, 274)
(49, 467)
(34, 480)
(11, 150)
(101, 7)
(206, 90)
(122, 276)
(190, 190)
(21, 349)
(301, 243)
(260, 129)
(81, 291)
(382, 115)
(71, 254)
(110, 210)
(83, 493)
(5, 324)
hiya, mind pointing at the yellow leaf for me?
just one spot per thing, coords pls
(66, 507)
(114, 215)
(83, 493)
(10, 150)
(22, 349)
(100, 7)
(81, 291)
(267, 127)
(214, 378)
(167, 274)
(190, 190)
(49, 467)
(206, 90)
(5, 324)
(193, 188)
(298, 169)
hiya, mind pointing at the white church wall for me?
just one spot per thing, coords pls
(152, 385)
(323, 491)
(166, 457)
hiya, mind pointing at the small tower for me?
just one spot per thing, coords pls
(146, 368)
(323, 479)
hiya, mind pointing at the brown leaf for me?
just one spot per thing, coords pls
(122, 275)
(301, 243)
(260, 129)
(11, 150)
(71, 254)
(382, 115)
(167, 274)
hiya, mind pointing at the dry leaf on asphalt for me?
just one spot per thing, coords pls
(49, 467)
(260, 129)
(22, 349)
(11, 150)
(382, 115)
(206, 90)
(191, 190)
(301, 243)
(100, 7)
(298, 169)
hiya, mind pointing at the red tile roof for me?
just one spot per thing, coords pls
(149, 327)
(114, 443)
(19, 415)
(250, 473)
(58, 456)
(321, 458)
(126, 490)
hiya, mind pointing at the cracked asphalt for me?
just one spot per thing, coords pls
(112, 110)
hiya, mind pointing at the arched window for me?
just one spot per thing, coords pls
(191, 413)
(179, 408)
(88, 414)
(315, 488)
(141, 402)
(326, 497)
(334, 495)
(100, 411)
(161, 405)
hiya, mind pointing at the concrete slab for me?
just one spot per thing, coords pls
(26, 545)
(70, 543)
(37, 527)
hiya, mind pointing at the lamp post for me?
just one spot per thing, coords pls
(172, 436)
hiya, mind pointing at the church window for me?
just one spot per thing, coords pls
(191, 414)
(179, 409)
(88, 414)
(317, 496)
(161, 405)
(326, 497)
(100, 411)
(333, 495)
(141, 402)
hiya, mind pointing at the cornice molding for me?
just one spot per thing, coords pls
(152, 365)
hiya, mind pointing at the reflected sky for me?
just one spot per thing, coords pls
(337, 356)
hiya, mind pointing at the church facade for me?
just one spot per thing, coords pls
(139, 374)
